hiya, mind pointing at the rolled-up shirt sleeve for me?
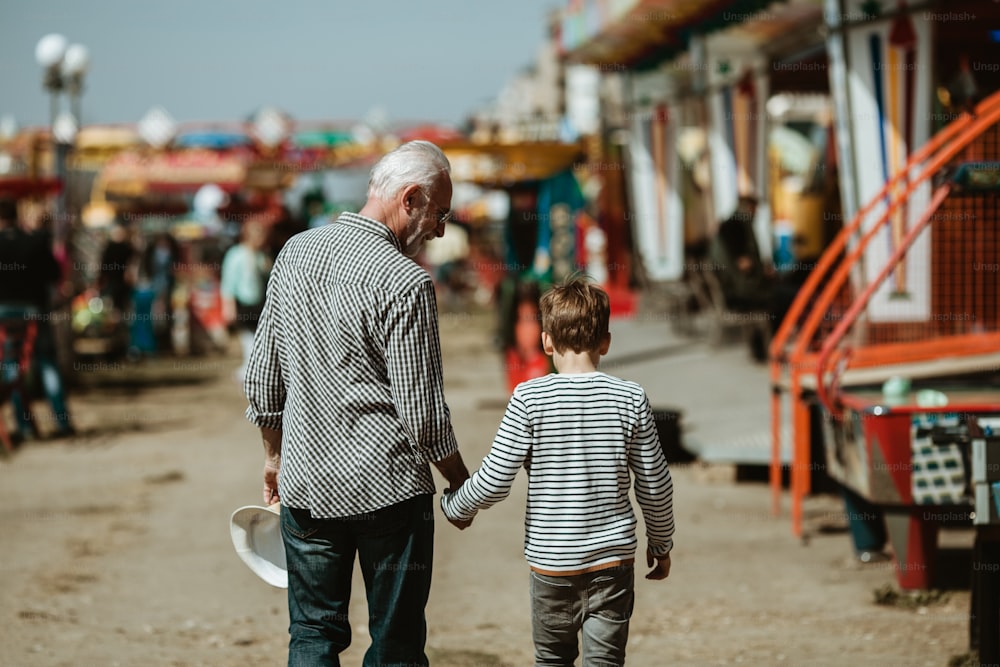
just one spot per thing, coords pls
(264, 384)
(413, 357)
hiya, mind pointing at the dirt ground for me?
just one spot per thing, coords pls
(116, 548)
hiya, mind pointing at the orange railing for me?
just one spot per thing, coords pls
(816, 322)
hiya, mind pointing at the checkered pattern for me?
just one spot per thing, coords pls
(347, 363)
(938, 476)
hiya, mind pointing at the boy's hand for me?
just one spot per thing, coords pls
(458, 523)
(662, 569)
(461, 524)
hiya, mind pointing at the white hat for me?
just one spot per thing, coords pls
(256, 533)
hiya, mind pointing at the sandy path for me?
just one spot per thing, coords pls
(116, 550)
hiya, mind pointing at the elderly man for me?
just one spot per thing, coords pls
(346, 386)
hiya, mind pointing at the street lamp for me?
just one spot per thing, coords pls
(49, 53)
(64, 65)
(74, 66)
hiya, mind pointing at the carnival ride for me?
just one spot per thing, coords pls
(850, 330)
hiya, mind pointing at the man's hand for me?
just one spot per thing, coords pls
(453, 469)
(272, 463)
(662, 569)
(271, 482)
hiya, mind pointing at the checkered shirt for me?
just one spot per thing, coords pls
(346, 362)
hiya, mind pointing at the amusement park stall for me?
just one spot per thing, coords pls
(156, 196)
(540, 238)
(191, 196)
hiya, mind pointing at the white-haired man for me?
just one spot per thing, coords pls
(345, 383)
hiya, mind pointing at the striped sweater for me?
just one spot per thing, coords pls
(579, 436)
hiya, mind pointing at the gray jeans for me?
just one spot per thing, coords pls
(598, 603)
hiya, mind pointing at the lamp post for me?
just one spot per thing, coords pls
(49, 53)
(74, 65)
(64, 68)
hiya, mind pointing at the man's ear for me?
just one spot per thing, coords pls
(410, 197)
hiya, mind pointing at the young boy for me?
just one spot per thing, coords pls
(578, 433)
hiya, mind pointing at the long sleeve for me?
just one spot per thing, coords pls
(492, 482)
(229, 280)
(413, 358)
(654, 488)
(264, 385)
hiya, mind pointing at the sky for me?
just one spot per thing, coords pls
(220, 60)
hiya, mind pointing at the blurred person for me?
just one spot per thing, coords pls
(736, 255)
(747, 284)
(245, 269)
(592, 252)
(159, 264)
(116, 276)
(519, 330)
(314, 205)
(447, 256)
(27, 294)
(283, 227)
(345, 383)
(580, 434)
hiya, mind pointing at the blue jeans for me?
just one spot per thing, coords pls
(395, 547)
(46, 360)
(597, 603)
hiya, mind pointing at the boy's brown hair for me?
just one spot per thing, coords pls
(575, 314)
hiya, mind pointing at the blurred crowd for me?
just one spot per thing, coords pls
(144, 291)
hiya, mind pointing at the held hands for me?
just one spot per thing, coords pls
(454, 471)
(662, 569)
(461, 524)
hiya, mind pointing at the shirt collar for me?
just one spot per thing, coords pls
(371, 226)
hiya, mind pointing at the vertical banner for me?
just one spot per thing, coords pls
(735, 110)
(889, 66)
(658, 218)
(583, 108)
(745, 132)
(839, 79)
(736, 127)
(725, 180)
(763, 221)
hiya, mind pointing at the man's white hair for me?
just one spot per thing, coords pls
(415, 162)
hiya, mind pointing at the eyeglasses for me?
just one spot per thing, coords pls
(442, 216)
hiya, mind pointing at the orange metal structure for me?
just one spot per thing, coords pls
(829, 309)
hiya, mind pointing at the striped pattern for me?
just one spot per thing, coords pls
(347, 363)
(579, 436)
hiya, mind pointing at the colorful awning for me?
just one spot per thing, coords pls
(24, 186)
(136, 174)
(642, 33)
(500, 165)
